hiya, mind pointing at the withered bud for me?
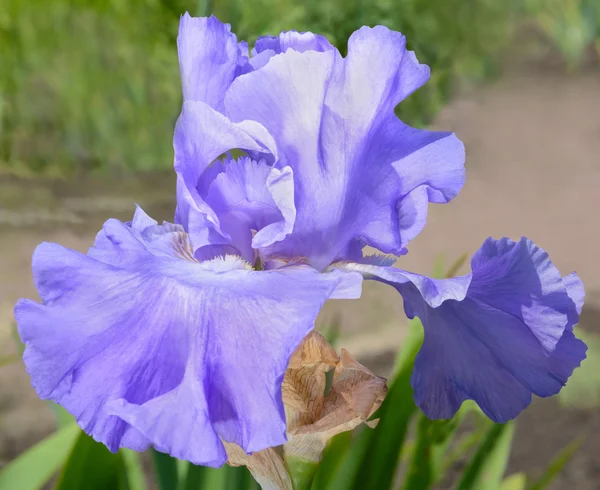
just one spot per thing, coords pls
(313, 415)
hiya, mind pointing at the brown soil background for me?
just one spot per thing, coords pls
(533, 159)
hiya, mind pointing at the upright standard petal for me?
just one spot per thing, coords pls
(250, 197)
(146, 348)
(497, 336)
(210, 58)
(202, 135)
(355, 164)
(268, 46)
(298, 41)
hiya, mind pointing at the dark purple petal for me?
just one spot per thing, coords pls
(354, 162)
(575, 290)
(150, 348)
(210, 58)
(497, 335)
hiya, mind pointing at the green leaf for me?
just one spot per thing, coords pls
(224, 478)
(348, 468)
(386, 441)
(420, 472)
(334, 454)
(486, 468)
(32, 469)
(215, 479)
(182, 468)
(135, 471)
(238, 478)
(195, 477)
(442, 457)
(517, 481)
(165, 468)
(302, 472)
(446, 455)
(431, 450)
(492, 473)
(93, 467)
(557, 465)
(583, 388)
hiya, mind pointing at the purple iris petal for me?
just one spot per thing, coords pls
(202, 134)
(268, 46)
(298, 41)
(143, 347)
(354, 162)
(575, 290)
(250, 196)
(210, 58)
(361, 175)
(497, 335)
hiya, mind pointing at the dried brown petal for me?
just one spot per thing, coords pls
(355, 394)
(359, 387)
(313, 418)
(266, 466)
(303, 385)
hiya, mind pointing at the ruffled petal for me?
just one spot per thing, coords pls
(497, 335)
(251, 197)
(575, 290)
(268, 46)
(298, 41)
(210, 58)
(126, 244)
(354, 162)
(202, 134)
(157, 348)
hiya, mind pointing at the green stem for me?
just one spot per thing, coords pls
(301, 471)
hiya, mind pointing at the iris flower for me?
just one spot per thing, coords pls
(178, 335)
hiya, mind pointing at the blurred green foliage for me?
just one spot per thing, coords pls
(87, 85)
(90, 85)
(94, 84)
(572, 25)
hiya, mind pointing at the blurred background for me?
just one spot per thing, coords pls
(90, 91)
